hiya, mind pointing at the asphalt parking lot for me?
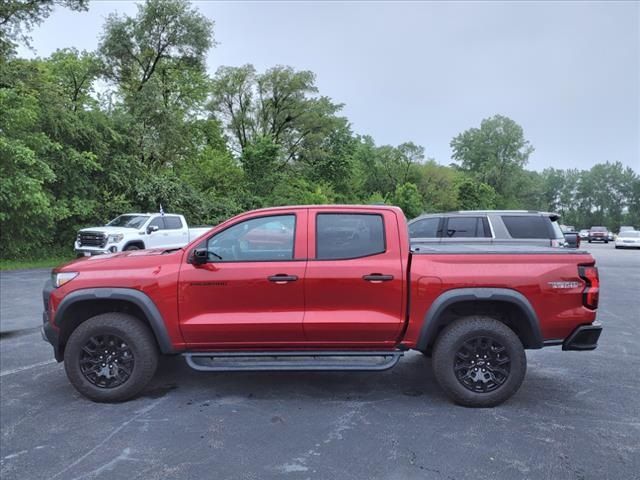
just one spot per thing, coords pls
(577, 415)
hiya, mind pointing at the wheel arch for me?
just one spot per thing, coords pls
(137, 243)
(506, 305)
(81, 305)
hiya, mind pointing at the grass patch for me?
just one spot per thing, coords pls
(49, 262)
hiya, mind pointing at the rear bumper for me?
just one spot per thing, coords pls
(584, 337)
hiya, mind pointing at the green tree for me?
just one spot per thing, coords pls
(24, 174)
(474, 195)
(280, 104)
(76, 72)
(438, 187)
(408, 199)
(19, 17)
(157, 61)
(494, 154)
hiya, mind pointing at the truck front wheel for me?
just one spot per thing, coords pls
(479, 361)
(111, 357)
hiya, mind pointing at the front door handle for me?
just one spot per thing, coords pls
(377, 278)
(282, 278)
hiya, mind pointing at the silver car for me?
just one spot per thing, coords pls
(516, 227)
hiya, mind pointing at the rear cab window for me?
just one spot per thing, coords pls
(341, 236)
(172, 223)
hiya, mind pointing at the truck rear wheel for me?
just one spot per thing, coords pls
(111, 357)
(479, 361)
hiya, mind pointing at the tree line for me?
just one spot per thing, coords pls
(85, 136)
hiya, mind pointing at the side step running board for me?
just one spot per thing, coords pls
(296, 360)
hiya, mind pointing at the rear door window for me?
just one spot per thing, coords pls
(173, 223)
(426, 228)
(340, 236)
(467, 227)
(528, 226)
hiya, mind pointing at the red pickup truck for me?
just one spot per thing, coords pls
(319, 288)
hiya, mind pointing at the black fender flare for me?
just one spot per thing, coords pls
(432, 319)
(132, 242)
(136, 297)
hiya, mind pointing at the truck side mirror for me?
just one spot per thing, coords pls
(152, 228)
(200, 256)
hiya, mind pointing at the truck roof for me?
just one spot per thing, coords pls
(330, 207)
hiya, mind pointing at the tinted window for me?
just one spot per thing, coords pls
(466, 227)
(527, 226)
(348, 235)
(173, 223)
(598, 229)
(157, 222)
(426, 228)
(256, 240)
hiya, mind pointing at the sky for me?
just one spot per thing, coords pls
(567, 72)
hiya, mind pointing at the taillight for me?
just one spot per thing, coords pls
(591, 291)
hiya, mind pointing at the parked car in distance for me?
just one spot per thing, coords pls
(330, 287)
(137, 231)
(584, 234)
(513, 227)
(628, 239)
(598, 234)
(571, 237)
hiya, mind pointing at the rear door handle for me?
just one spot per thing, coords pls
(282, 278)
(377, 278)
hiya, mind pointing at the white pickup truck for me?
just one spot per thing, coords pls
(136, 231)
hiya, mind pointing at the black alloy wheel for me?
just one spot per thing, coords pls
(482, 364)
(106, 361)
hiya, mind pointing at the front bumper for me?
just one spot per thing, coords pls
(89, 252)
(49, 333)
(584, 337)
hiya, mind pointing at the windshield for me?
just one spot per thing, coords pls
(630, 234)
(598, 229)
(128, 221)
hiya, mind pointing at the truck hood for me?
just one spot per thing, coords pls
(78, 264)
(109, 230)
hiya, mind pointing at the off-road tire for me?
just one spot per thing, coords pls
(452, 339)
(141, 344)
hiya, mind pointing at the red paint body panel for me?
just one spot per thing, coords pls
(559, 310)
(233, 305)
(344, 310)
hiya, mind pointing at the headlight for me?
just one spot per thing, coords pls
(60, 279)
(116, 237)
